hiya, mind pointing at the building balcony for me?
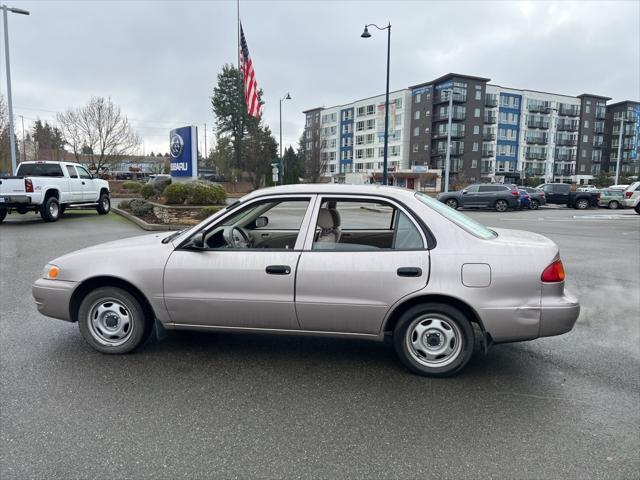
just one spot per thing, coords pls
(489, 136)
(537, 140)
(625, 158)
(491, 101)
(541, 125)
(490, 118)
(567, 142)
(567, 127)
(625, 145)
(455, 116)
(599, 129)
(565, 157)
(444, 97)
(535, 155)
(539, 108)
(570, 111)
(626, 116)
(598, 143)
(455, 151)
(488, 153)
(455, 133)
(601, 113)
(626, 132)
(534, 172)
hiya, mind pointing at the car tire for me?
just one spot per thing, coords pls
(433, 339)
(582, 204)
(637, 208)
(113, 321)
(3, 214)
(453, 203)
(534, 204)
(104, 204)
(613, 205)
(501, 206)
(50, 209)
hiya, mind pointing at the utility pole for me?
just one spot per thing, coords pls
(619, 147)
(206, 152)
(447, 167)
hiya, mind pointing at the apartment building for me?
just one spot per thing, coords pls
(497, 133)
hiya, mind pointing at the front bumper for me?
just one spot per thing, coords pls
(558, 314)
(52, 297)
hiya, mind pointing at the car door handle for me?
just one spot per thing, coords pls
(409, 272)
(278, 269)
(83, 183)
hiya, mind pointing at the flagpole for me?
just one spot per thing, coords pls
(241, 83)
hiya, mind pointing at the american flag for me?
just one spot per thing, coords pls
(250, 84)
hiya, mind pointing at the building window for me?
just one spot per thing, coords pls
(371, 124)
(416, 115)
(359, 126)
(369, 153)
(582, 167)
(371, 109)
(359, 139)
(585, 139)
(476, 112)
(360, 112)
(476, 129)
(474, 164)
(478, 94)
(416, 132)
(416, 147)
(586, 124)
(398, 103)
(587, 108)
(369, 138)
(360, 153)
(584, 154)
(426, 147)
(418, 98)
(475, 146)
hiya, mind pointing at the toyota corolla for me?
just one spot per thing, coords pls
(360, 261)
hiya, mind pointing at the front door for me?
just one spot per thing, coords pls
(356, 267)
(89, 190)
(244, 276)
(75, 184)
(471, 196)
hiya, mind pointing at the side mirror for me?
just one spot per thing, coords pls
(262, 222)
(464, 192)
(197, 241)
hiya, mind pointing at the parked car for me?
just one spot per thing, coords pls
(483, 195)
(537, 197)
(636, 205)
(561, 194)
(612, 199)
(587, 188)
(618, 187)
(323, 259)
(631, 193)
(525, 199)
(50, 187)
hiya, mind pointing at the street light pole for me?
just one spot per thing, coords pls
(619, 147)
(447, 167)
(24, 149)
(366, 34)
(12, 138)
(287, 97)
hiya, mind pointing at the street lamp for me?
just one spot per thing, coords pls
(366, 34)
(12, 139)
(287, 97)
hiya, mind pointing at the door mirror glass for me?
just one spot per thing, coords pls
(198, 240)
(464, 191)
(262, 222)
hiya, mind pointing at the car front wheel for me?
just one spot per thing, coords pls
(112, 320)
(104, 204)
(534, 205)
(433, 339)
(502, 206)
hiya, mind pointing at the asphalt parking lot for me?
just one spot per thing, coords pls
(222, 405)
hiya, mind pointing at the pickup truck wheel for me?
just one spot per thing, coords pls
(582, 204)
(112, 320)
(502, 206)
(614, 205)
(3, 214)
(433, 339)
(453, 203)
(104, 204)
(50, 210)
(534, 205)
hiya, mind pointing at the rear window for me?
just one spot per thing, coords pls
(39, 170)
(460, 219)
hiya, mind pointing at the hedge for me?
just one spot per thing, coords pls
(147, 191)
(132, 186)
(208, 211)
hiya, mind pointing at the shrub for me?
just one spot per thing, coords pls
(177, 193)
(132, 186)
(140, 208)
(204, 194)
(124, 204)
(147, 191)
(208, 211)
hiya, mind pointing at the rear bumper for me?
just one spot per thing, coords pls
(52, 297)
(558, 314)
(13, 201)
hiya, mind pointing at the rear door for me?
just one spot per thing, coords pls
(349, 285)
(89, 188)
(75, 184)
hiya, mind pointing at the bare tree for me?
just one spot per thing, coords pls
(5, 149)
(99, 130)
(315, 164)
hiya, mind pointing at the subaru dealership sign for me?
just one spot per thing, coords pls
(183, 148)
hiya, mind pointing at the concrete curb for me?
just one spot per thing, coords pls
(152, 227)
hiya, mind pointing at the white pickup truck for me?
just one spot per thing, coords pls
(51, 187)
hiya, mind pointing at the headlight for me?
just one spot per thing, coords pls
(50, 272)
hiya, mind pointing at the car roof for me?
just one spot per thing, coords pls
(333, 188)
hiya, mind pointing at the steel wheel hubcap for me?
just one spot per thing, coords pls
(452, 203)
(53, 209)
(434, 340)
(501, 206)
(110, 322)
(105, 203)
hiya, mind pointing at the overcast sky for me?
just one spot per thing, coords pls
(158, 60)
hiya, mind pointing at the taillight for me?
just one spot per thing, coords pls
(28, 185)
(515, 192)
(628, 194)
(541, 194)
(553, 273)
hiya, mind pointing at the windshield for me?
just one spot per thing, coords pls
(460, 219)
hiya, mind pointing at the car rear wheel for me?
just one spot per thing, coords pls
(534, 205)
(50, 210)
(582, 204)
(104, 204)
(112, 320)
(433, 339)
(452, 202)
(3, 214)
(502, 206)
(614, 205)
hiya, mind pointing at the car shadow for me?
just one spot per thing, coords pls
(16, 219)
